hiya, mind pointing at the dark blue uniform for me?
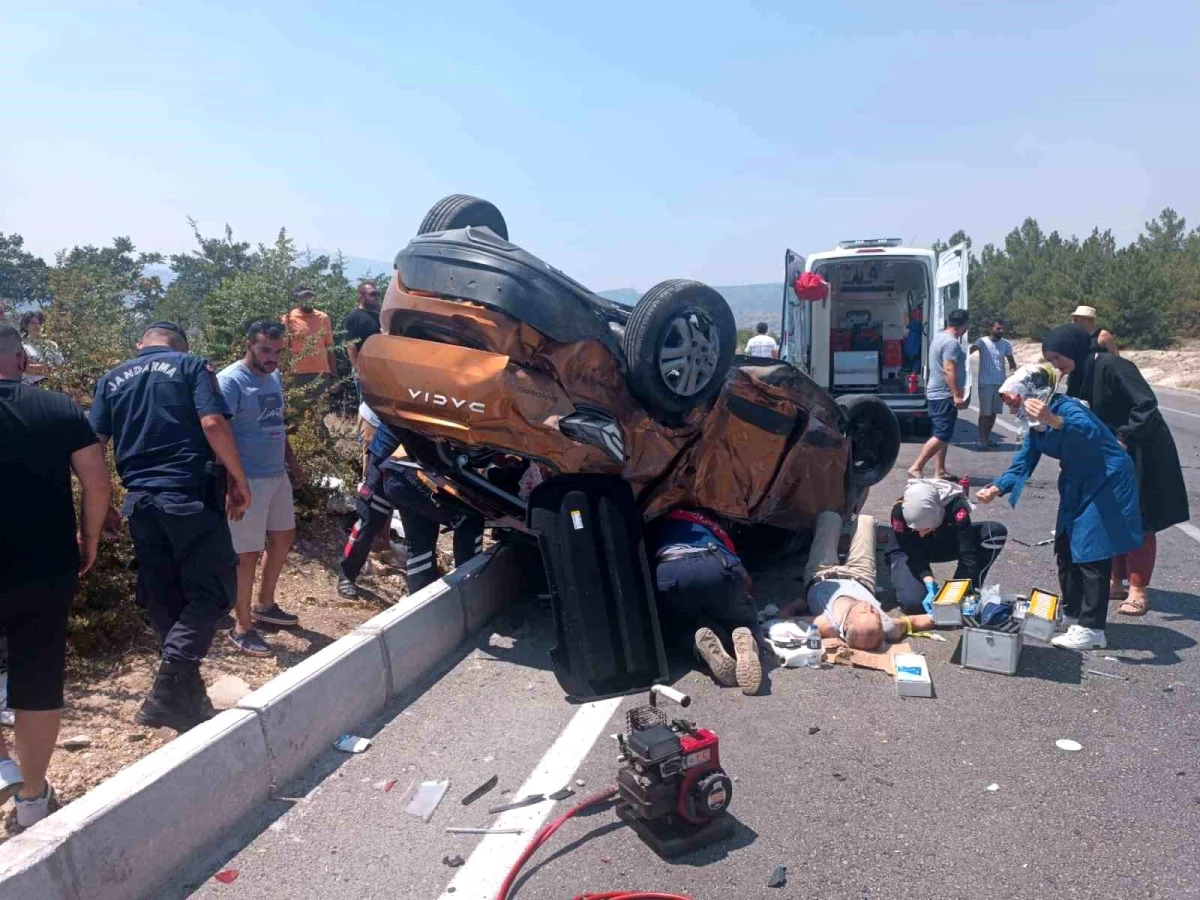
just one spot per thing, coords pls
(187, 571)
(395, 483)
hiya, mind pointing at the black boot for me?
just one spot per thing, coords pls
(172, 702)
(204, 704)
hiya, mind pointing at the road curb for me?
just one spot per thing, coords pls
(132, 832)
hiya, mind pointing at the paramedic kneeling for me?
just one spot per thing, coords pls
(932, 522)
(166, 418)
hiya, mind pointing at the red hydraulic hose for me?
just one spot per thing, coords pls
(544, 835)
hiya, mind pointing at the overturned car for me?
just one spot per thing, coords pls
(510, 381)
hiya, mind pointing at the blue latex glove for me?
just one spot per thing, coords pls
(931, 590)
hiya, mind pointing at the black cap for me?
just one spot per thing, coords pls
(168, 326)
(957, 318)
(303, 292)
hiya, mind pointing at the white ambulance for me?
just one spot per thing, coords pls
(870, 335)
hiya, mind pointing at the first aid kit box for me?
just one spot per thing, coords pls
(990, 649)
(1042, 617)
(912, 676)
(947, 605)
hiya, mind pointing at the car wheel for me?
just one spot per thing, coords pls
(462, 211)
(874, 434)
(679, 343)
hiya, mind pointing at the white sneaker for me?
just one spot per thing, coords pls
(10, 779)
(1080, 638)
(32, 811)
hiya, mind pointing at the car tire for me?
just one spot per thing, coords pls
(874, 433)
(462, 211)
(666, 375)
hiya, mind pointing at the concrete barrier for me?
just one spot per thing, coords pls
(477, 583)
(304, 709)
(418, 633)
(123, 831)
(133, 832)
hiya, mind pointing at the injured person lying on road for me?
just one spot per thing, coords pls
(841, 596)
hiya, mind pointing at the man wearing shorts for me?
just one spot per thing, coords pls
(253, 391)
(946, 392)
(993, 351)
(46, 438)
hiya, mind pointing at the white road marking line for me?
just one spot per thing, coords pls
(487, 866)
(1179, 412)
(1190, 530)
(1000, 423)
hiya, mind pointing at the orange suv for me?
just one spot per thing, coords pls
(501, 373)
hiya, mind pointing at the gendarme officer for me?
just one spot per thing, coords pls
(167, 421)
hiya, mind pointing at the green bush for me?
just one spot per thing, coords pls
(98, 302)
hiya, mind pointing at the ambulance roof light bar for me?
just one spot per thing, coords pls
(870, 242)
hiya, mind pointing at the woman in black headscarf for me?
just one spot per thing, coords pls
(1121, 399)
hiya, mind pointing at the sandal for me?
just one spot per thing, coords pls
(1135, 605)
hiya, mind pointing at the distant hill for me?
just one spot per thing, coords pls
(751, 303)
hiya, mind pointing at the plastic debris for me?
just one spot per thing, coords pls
(517, 804)
(993, 787)
(1107, 675)
(481, 790)
(227, 876)
(1069, 745)
(351, 743)
(778, 877)
(561, 795)
(453, 861)
(426, 799)
(579, 782)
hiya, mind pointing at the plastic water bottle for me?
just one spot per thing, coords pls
(812, 646)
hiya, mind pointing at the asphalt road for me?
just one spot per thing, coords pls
(888, 799)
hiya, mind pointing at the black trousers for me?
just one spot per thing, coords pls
(702, 591)
(389, 487)
(1084, 586)
(187, 572)
(989, 539)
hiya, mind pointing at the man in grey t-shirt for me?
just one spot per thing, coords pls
(993, 351)
(946, 391)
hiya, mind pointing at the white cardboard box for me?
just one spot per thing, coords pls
(908, 684)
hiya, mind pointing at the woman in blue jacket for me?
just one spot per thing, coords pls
(1098, 515)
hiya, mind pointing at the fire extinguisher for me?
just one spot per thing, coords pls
(912, 382)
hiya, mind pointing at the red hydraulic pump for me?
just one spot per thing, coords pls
(672, 789)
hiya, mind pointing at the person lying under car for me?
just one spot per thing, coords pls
(932, 522)
(704, 598)
(841, 596)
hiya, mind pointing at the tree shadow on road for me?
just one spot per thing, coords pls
(1165, 644)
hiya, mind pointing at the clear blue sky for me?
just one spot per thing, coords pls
(625, 143)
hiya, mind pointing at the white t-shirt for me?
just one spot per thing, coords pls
(991, 359)
(762, 345)
(822, 594)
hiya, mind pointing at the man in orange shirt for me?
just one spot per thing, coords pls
(310, 341)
